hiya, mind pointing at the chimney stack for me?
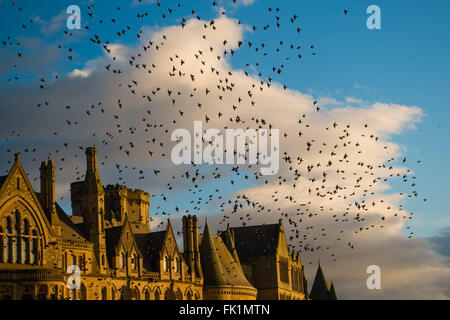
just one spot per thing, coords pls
(91, 160)
(48, 198)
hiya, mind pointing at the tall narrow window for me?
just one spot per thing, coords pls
(104, 297)
(18, 183)
(16, 240)
(34, 247)
(8, 225)
(2, 245)
(166, 264)
(134, 262)
(8, 244)
(26, 241)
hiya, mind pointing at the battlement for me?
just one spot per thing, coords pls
(121, 201)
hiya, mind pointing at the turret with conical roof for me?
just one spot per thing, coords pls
(223, 275)
(321, 289)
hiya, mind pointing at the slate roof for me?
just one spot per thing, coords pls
(219, 267)
(149, 245)
(112, 237)
(69, 231)
(261, 240)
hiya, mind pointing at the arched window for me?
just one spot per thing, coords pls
(189, 295)
(16, 240)
(166, 264)
(25, 250)
(177, 265)
(167, 295)
(34, 248)
(157, 294)
(8, 225)
(103, 260)
(17, 222)
(9, 240)
(136, 294)
(123, 293)
(147, 294)
(134, 262)
(104, 294)
(26, 227)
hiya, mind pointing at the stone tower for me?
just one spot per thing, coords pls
(88, 201)
(191, 246)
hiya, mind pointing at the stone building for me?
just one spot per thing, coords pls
(105, 250)
(270, 267)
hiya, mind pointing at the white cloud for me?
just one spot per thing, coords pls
(353, 100)
(340, 186)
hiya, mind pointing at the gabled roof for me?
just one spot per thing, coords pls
(149, 245)
(69, 231)
(112, 237)
(261, 240)
(17, 166)
(220, 269)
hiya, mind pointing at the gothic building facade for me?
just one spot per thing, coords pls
(105, 250)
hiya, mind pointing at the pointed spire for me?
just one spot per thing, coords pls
(320, 289)
(332, 293)
(17, 157)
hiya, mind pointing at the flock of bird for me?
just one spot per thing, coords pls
(308, 171)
